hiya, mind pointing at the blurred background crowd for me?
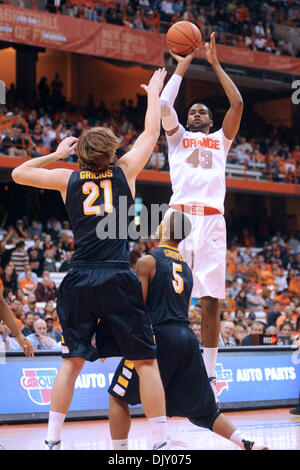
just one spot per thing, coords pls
(268, 26)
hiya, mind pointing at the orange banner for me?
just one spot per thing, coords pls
(20, 25)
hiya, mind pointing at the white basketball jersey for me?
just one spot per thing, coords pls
(197, 167)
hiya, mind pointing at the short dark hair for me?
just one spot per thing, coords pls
(208, 109)
(180, 226)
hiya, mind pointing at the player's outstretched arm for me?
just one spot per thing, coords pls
(145, 269)
(170, 121)
(32, 173)
(8, 317)
(231, 122)
(135, 160)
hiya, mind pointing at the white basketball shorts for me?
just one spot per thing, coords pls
(205, 252)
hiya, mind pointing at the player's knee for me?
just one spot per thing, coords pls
(206, 421)
(142, 363)
(115, 403)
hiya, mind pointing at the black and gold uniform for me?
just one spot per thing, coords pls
(100, 285)
(187, 388)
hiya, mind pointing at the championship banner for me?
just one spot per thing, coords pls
(21, 25)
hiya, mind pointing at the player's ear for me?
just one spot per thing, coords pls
(211, 123)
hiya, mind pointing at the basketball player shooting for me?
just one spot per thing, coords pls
(197, 162)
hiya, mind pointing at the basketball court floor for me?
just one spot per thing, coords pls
(277, 428)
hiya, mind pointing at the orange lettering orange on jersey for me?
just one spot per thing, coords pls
(206, 142)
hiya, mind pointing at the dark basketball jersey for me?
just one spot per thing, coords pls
(170, 290)
(97, 205)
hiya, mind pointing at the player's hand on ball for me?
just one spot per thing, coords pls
(67, 146)
(156, 82)
(210, 50)
(184, 60)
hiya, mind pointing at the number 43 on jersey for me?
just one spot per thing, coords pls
(201, 158)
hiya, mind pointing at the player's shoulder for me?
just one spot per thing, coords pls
(145, 263)
(218, 133)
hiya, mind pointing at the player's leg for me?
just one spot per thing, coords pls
(210, 331)
(153, 398)
(61, 397)
(131, 329)
(119, 423)
(209, 273)
(223, 426)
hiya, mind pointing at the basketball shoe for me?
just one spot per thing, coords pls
(169, 444)
(249, 445)
(52, 445)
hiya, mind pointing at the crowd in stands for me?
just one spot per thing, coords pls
(262, 284)
(262, 293)
(36, 127)
(247, 24)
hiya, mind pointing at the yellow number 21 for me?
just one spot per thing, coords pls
(93, 191)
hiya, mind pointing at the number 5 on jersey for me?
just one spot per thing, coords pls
(93, 191)
(178, 282)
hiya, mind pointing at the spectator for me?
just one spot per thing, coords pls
(271, 330)
(288, 315)
(235, 288)
(27, 284)
(157, 160)
(36, 246)
(241, 299)
(40, 339)
(254, 301)
(197, 312)
(51, 310)
(239, 316)
(19, 257)
(257, 328)
(196, 327)
(274, 314)
(240, 332)
(286, 328)
(228, 303)
(28, 324)
(10, 344)
(22, 275)
(18, 310)
(51, 331)
(35, 261)
(66, 265)
(294, 285)
(49, 259)
(250, 319)
(9, 278)
(44, 291)
(226, 335)
(31, 307)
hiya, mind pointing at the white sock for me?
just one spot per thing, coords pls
(120, 444)
(210, 359)
(237, 437)
(158, 427)
(55, 424)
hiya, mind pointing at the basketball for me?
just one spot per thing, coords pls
(183, 38)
